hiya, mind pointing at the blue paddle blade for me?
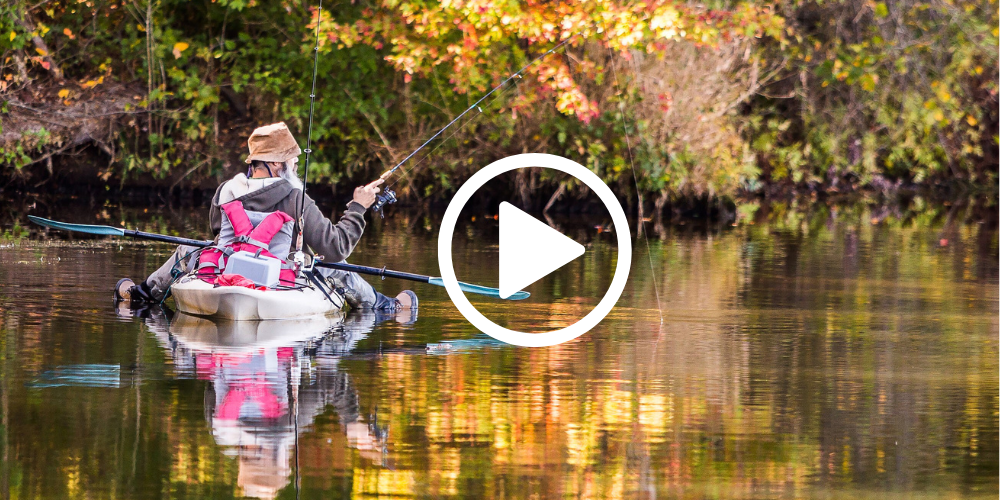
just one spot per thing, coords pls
(464, 345)
(80, 228)
(481, 290)
(79, 376)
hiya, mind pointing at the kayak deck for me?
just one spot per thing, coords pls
(196, 297)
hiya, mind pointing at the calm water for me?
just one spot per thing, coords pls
(827, 355)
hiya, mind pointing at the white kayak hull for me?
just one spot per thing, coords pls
(237, 303)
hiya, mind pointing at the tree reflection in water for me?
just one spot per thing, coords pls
(843, 354)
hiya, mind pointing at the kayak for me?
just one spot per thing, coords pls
(196, 297)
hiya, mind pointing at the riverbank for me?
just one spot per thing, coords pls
(185, 211)
(715, 104)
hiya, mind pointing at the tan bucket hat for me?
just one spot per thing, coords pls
(272, 143)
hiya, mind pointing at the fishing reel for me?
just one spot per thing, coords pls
(387, 197)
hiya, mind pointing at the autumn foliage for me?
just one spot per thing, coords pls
(667, 99)
(479, 42)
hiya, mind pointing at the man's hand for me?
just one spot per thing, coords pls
(365, 195)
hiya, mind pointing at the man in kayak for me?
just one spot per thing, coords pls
(271, 184)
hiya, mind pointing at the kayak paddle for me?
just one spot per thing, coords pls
(374, 271)
(431, 280)
(117, 231)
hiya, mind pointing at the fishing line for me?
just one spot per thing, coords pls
(477, 103)
(295, 422)
(413, 168)
(388, 196)
(635, 179)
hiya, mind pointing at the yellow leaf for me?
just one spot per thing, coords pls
(972, 120)
(63, 93)
(13, 36)
(179, 48)
(41, 52)
(939, 116)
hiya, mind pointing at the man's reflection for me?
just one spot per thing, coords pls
(268, 382)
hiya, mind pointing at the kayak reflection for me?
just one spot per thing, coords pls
(268, 382)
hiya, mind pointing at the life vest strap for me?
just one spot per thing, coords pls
(247, 238)
(250, 240)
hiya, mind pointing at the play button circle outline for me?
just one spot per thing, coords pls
(450, 221)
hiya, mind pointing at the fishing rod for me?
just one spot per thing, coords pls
(388, 196)
(343, 266)
(299, 257)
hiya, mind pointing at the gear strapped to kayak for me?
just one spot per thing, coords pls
(249, 244)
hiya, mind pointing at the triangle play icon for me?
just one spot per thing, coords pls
(530, 250)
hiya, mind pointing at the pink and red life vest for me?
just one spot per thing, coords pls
(269, 236)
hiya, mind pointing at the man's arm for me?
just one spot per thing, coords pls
(334, 242)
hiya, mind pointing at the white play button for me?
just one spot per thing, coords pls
(529, 250)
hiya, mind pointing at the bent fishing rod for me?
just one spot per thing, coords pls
(342, 266)
(388, 196)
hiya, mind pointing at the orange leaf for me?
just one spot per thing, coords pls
(179, 49)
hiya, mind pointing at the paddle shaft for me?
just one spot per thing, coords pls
(167, 239)
(341, 266)
(375, 271)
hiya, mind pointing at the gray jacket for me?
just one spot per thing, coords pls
(334, 242)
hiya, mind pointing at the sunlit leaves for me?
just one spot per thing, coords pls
(474, 38)
(179, 49)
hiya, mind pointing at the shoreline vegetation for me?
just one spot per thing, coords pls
(726, 105)
(185, 214)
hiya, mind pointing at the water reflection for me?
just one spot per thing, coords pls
(268, 380)
(836, 354)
